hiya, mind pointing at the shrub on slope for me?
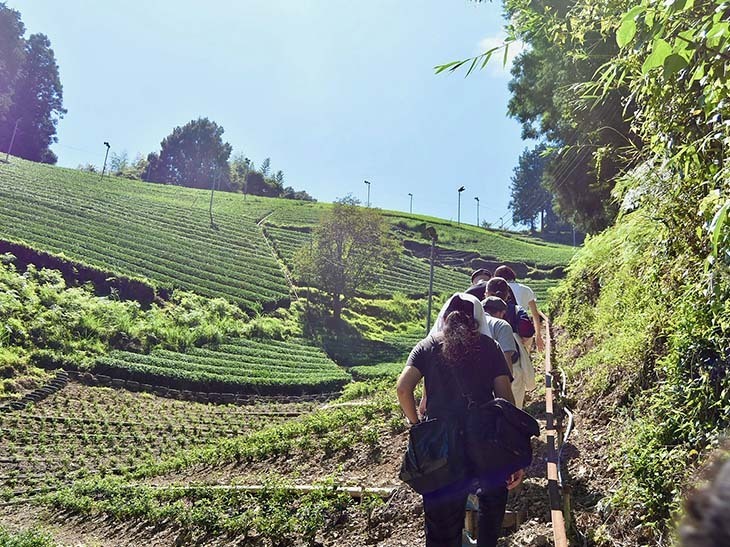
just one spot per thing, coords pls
(646, 319)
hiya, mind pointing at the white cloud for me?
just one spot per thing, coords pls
(496, 65)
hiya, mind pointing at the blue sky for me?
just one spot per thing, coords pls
(335, 92)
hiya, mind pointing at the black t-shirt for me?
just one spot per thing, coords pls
(475, 375)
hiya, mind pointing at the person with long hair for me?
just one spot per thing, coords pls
(458, 364)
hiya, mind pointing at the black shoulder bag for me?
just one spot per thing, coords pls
(497, 438)
(435, 455)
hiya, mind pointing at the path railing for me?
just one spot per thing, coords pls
(554, 445)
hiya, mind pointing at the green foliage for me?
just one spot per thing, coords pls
(407, 275)
(350, 247)
(592, 141)
(31, 94)
(528, 197)
(27, 538)
(646, 310)
(612, 303)
(192, 155)
(42, 316)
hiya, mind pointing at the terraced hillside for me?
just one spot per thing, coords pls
(136, 229)
(257, 366)
(83, 431)
(163, 235)
(192, 440)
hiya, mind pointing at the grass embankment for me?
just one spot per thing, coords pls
(46, 320)
(646, 319)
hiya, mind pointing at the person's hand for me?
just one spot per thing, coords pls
(515, 479)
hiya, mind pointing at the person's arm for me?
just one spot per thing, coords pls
(515, 479)
(423, 403)
(537, 322)
(407, 383)
(508, 357)
(503, 388)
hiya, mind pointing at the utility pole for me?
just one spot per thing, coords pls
(210, 209)
(12, 140)
(477, 200)
(458, 209)
(368, 183)
(431, 233)
(103, 169)
(410, 208)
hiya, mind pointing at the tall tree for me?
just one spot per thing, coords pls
(193, 155)
(351, 247)
(12, 55)
(594, 137)
(240, 167)
(265, 167)
(529, 199)
(37, 102)
(31, 95)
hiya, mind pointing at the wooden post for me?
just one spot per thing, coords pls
(12, 140)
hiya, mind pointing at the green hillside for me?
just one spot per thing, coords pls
(137, 229)
(163, 234)
(215, 376)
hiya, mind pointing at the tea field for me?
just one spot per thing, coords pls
(239, 366)
(99, 431)
(163, 234)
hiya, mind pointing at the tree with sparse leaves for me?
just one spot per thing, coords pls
(351, 246)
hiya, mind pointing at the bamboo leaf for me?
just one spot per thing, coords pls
(471, 67)
(440, 68)
(659, 52)
(626, 32)
(673, 64)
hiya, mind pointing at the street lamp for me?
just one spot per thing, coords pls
(410, 209)
(103, 169)
(458, 210)
(477, 200)
(368, 183)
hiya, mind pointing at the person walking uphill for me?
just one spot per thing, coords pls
(458, 364)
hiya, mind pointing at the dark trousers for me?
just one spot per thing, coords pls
(445, 509)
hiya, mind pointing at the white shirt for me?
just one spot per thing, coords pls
(523, 294)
